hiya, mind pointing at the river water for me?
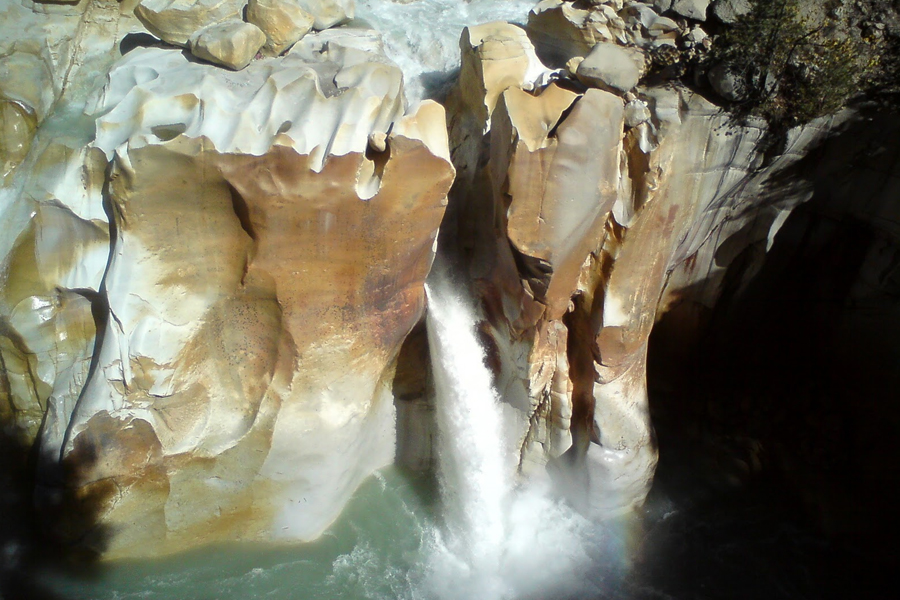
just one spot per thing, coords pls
(473, 532)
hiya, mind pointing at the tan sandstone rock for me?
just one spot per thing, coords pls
(246, 364)
(495, 57)
(611, 67)
(175, 21)
(283, 21)
(232, 44)
(564, 30)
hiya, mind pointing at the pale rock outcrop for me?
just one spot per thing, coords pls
(612, 67)
(246, 363)
(589, 220)
(54, 241)
(562, 30)
(495, 57)
(283, 21)
(175, 21)
(692, 9)
(232, 44)
(328, 13)
(729, 11)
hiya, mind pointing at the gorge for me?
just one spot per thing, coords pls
(222, 372)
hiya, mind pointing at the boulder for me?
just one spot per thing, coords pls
(328, 13)
(729, 11)
(175, 21)
(561, 30)
(727, 83)
(283, 21)
(610, 66)
(692, 9)
(232, 44)
(556, 207)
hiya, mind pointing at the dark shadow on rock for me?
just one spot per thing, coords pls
(31, 549)
(438, 84)
(140, 40)
(781, 401)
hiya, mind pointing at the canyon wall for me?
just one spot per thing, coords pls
(581, 213)
(217, 221)
(204, 297)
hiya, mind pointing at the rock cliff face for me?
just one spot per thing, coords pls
(580, 215)
(214, 255)
(201, 322)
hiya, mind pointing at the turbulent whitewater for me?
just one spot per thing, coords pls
(422, 36)
(498, 539)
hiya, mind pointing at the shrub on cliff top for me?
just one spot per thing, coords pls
(795, 60)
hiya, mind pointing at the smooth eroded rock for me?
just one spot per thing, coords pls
(495, 57)
(17, 126)
(232, 44)
(252, 330)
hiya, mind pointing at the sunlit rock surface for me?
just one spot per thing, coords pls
(208, 275)
(202, 306)
(590, 222)
(283, 22)
(175, 21)
(232, 44)
(266, 267)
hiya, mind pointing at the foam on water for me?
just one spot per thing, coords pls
(422, 36)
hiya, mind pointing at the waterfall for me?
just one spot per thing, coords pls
(499, 541)
(474, 478)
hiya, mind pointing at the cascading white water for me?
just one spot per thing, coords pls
(499, 541)
(422, 36)
(474, 479)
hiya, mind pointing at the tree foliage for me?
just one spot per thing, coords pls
(793, 68)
